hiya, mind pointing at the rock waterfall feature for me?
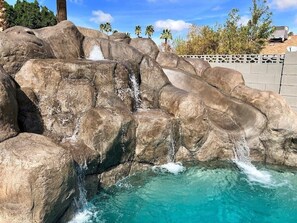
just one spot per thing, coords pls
(73, 96)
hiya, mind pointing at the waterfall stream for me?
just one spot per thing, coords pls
(171, 166)
(135, 91)
(243, 162)
(81, 201)
(96, 54)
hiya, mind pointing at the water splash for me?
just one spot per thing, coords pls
(174, 168)
(135, 91)
(73, 138)
(96, 54)
(242, 160)
(82, 214)
(171, 166)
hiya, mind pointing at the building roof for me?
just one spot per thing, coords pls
(279, 47)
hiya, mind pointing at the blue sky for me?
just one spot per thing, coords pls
(177, 15)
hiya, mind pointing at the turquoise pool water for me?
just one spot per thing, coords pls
(198, 195)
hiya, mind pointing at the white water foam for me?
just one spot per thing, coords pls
(135, 92)
(82, 217)
(83, 214)
(243, 162)
(96, 54)
(174, 168)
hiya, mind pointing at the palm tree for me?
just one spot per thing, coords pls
(3, 19)
(107, 27)
(166, 34)
(61, 10)
(138, 31)
(102, 27)
(149, 31)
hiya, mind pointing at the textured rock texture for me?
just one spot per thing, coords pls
(8, 107)
(37, 180)
(125, 109)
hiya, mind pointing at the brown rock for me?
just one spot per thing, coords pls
(64, 39)
(156, 137)
(224, 79)
(37, 180)
(114, 175)
(110, 132)
(280, 136)
(190, 110)
(8, 107)
(185, 66)
(237, 116)
(120, 51)
(199, 65)
(120, 37)
(92, 33)
(146, 46)
(153, 80)
(19, 44)
(167, 60)
(65, 90)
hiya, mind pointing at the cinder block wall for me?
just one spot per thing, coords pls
(288, 86)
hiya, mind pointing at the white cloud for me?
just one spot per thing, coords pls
(217, 8)
(243, 20)
(284, 4)
(101, 17)
(79, 2)
(173, 25)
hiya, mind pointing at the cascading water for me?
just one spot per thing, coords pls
(171, 166)
(242, 160)
(81, 201)
(96, 54)
(135, 91)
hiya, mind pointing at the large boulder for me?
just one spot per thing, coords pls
(200, 65)
(150, 71)
(110, 132)
(156, 137)
(173, 61)
(120, 37)
(92, 33)
(8, 107)
(19, 44)
(64, 39)
(37, 180)
(224, 79)
(145, 46)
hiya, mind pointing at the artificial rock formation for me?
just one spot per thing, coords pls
(37, 180)
(114, 106)
(8, 107)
